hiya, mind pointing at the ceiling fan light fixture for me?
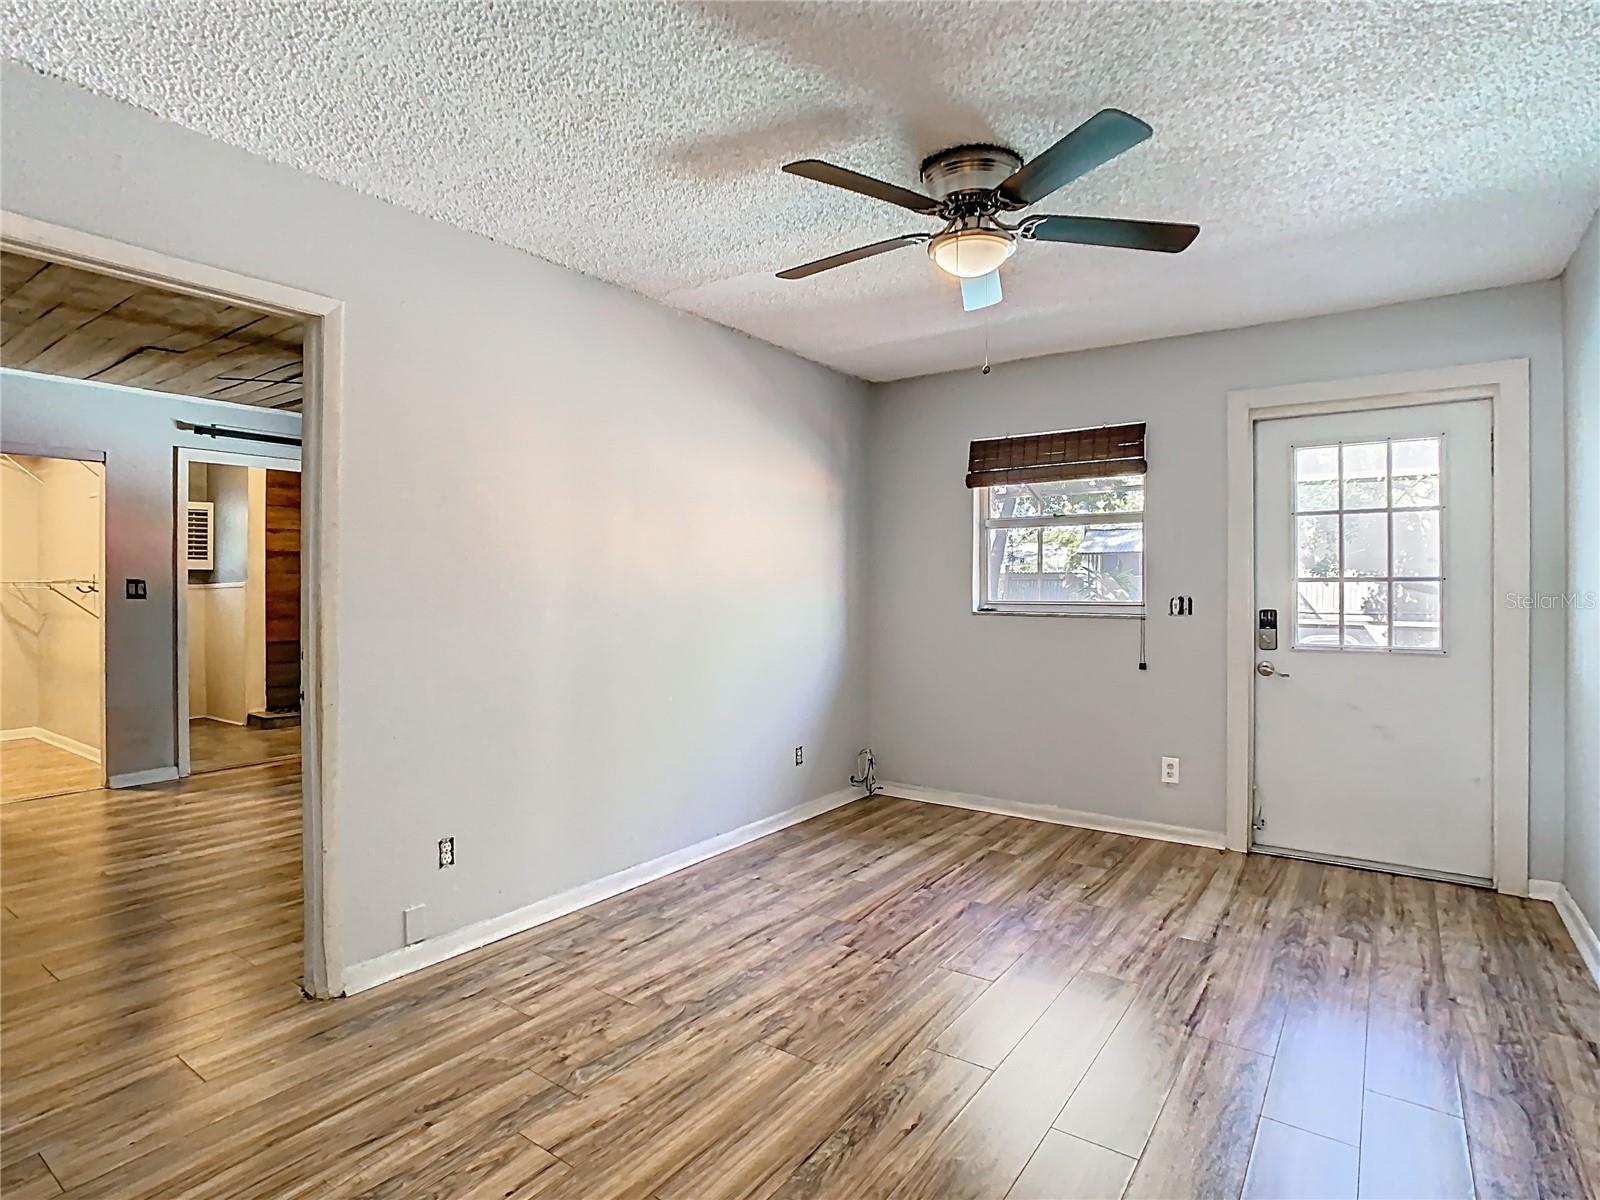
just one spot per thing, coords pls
(970, 253)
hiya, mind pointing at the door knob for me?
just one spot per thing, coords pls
(1266, 670)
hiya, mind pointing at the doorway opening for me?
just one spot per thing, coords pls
(239, 611)
(109, 343)
(52, 632)
(1377, 533)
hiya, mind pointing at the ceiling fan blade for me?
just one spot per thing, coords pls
(1098, 140)
(981, 292)
(850, 256)
(1112, 231)
(866, 185)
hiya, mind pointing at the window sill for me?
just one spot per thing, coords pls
(1119, 613)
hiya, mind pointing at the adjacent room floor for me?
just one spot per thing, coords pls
(217, 745)
(30, 768)
(893, 999)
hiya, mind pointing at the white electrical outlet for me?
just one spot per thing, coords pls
(416, 923)
(1169, 770)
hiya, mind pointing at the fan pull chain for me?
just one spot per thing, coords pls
(985, 344)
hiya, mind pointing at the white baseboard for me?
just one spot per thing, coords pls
(51, 738)
(142, 778)
(1578, 927)
(372, 972)
(1544, 889)
(1058, 816)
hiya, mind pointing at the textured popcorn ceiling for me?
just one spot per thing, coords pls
(1336, 155)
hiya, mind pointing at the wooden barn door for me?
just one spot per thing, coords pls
(283, 591)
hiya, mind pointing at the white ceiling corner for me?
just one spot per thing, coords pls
(1337, 156)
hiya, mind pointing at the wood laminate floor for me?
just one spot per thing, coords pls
(891, 1000)
(30, 768)
(219, 746)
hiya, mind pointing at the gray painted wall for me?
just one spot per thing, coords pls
(1053, 711)
(137, 432)
(596, 559)
(1582, 296)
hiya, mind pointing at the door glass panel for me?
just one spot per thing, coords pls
(1317, 618)
(1316, 547)
(1417, 623)
(1368, 532)
(1416, 473)
(1316, 478)
(1366, 545)
(1366, 475)
(1366, 616)
(1416, 542)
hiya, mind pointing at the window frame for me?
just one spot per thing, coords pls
(982, 605)
(1341, 579)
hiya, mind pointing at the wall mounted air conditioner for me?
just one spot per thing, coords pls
(199, 536)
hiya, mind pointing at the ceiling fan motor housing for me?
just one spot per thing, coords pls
(975, 169)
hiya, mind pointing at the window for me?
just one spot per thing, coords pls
(1368, 528)
(1060, 522)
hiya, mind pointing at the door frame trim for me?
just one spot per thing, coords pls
(320, 457)
(1505, 385)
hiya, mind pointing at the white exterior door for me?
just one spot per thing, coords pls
(1372, 714)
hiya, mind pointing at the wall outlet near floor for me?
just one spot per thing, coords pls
(416, 923)
(799, 755)
(1169, 770)
(447, 852)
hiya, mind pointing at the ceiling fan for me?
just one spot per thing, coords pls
(973, 185)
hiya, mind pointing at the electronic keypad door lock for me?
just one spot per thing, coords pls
(1267, 629)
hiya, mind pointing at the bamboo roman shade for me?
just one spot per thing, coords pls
(1067, 454)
